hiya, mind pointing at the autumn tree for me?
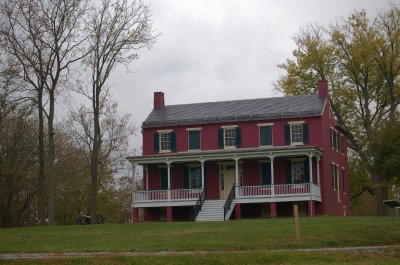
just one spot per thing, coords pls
(358, 57)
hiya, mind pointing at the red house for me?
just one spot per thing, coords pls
(242, 158)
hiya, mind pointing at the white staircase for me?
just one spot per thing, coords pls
(213, 210)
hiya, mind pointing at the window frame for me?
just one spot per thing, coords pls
(300, 125)
(192, 170)
(302, 179)
(189, 130)
(262, 125)
(231, 138)
(161, 141)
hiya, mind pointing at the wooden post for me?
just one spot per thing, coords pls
(296, 221)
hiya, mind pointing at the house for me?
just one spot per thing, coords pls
(242, 158)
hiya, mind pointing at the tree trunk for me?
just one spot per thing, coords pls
(381, 194)
(51, 188)
(42, 162)
(94, 165)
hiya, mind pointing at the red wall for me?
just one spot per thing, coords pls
(250, 134)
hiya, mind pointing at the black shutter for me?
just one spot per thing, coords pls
(288, 172)
(238, 137)
(266, 135)
(163, 178)
(305, 133)
(266, 174)
(221, 138)
(156, 142)
(173, 141)
(306, 171)
(194, 140)
(186, 177)
(287, 134)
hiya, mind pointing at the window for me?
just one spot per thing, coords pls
(164, 141)
(229, 137)
(298, 175)
(343, 177)
(194, 139)
(265, 135)
(296, 133)
(194, 177)
(334, 173)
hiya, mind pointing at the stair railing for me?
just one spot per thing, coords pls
(199, 203)
(229, 200)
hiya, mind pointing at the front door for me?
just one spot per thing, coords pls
(227, 178)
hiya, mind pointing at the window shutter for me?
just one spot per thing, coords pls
(306, 171)
(238, 137)
(288, 172)
(186, 178)
(266, 174)
(163, 178)
(194, 140)
(156, 142)
(173, 141)
(335, 140)
(305, 133)
(221, 138)
(287, 134)
(266, 135)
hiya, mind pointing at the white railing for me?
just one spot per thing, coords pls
(162, 195)
(279, 190)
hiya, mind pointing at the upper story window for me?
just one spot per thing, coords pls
(336, 140)
(296, 133)
(194, 138)
(164, 141)
(335, 176)
(265, 134)
(229, 137)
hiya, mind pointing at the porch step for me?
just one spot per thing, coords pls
(212, 210)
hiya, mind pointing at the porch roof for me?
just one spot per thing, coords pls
(225, 154)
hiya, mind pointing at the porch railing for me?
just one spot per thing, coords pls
(162, 195)
(199, 203)
(279, 190)
(229, 200)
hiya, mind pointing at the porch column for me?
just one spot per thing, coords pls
(169, 214)
(202, 173)
(238, 211)
(237, 177)
(133, 185)
(272, 209)
(310, 156)
(318, 177)
(146, 172)
(169, 180)
(135, 215)
(311, 208)
(272, 176)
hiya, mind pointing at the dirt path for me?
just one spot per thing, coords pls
(16, 256)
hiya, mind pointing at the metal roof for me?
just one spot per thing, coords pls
(236, 110)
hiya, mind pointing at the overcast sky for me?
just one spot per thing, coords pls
(219, 50)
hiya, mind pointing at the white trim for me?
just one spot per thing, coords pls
(165, 131)
(229, 126)
(265, 124)
(194, 129)
(164, 151)
(296, 122)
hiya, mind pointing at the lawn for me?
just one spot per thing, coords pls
(257, 236)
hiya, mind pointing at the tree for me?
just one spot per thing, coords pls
(353, 55)
(44, 39)
(120, 28)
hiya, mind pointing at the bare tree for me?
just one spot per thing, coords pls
(120, 28)
(44, 38)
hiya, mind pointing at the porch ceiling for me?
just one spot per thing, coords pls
(227, 154)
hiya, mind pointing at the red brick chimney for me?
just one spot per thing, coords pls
(158, 100)
(323, 88)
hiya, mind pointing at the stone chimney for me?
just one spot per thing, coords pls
(323, 88)
(158, 100)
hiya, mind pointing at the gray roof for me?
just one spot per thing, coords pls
(236, 110)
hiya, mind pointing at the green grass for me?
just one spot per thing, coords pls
(255, 235)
